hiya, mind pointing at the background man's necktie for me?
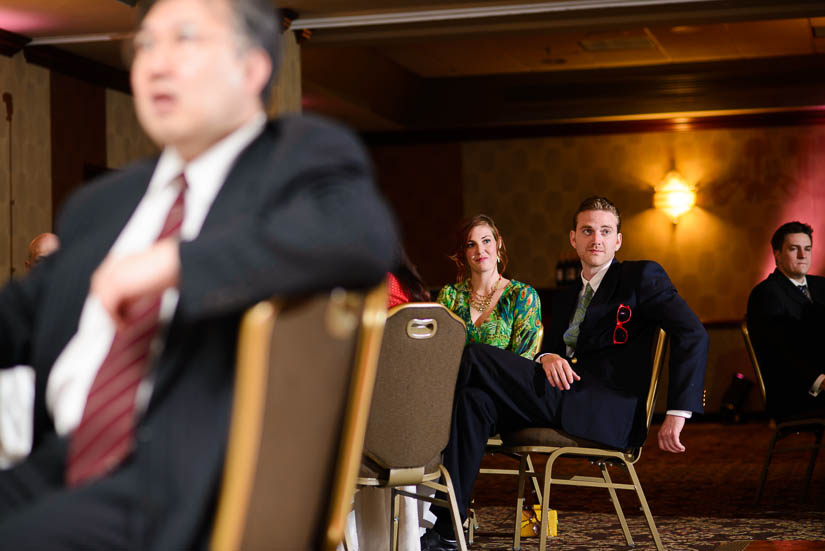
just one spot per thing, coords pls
(571, 336)
(805, 291)
(106, 433)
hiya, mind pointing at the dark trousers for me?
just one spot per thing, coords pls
(497, 391)
(37, 510)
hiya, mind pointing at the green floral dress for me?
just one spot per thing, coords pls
(514, 324)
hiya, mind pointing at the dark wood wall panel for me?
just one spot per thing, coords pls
(78, 121)
(423, 184)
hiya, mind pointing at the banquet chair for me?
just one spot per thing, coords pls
(558, 444)
(304, 379)
(409, 421)
(783, 429)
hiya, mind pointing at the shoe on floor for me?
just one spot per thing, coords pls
(433, 541)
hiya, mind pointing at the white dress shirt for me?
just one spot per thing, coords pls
(74, 371)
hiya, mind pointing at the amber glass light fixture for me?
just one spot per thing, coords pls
(674, 196)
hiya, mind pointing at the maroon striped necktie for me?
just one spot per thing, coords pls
(106, 433)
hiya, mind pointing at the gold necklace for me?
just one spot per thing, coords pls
(482, 302)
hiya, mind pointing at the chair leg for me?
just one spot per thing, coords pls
(616, 505)
(536, 485)
(522, 472)
(395, 508)
(548, 477)
(654, 532)
(811, 463)
(472, 524)
(767, 464)
(459, 530)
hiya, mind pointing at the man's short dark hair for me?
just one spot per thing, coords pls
(597, 202)
(257, 22)
(788, 228)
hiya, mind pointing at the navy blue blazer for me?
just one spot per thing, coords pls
(786, 330)
(298, 213)
(608, 403)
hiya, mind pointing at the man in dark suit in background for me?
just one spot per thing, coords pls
(131, 326)
(786, 320)
(592, 378)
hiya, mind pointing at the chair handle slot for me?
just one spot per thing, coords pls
(418, 328)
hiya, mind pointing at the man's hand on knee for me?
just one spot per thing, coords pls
(558, 371)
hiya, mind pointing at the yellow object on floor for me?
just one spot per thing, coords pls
(531, 522)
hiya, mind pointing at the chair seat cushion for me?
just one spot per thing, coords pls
(371, 469)
(540, 436)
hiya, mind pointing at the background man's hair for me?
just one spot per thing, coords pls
(596, 202)
(257, 22)
(790, 227)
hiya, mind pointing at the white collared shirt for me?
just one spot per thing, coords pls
(75, 369)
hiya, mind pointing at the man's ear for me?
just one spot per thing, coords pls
(573, 238)
(618, 241)
(258, 69)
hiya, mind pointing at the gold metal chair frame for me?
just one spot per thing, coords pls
(813, 426)
(246, 429)
(602, 457)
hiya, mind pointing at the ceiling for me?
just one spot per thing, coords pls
(424, 65)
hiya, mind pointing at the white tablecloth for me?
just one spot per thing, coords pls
(368, 525)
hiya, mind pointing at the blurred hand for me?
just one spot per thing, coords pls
(558, 371)
(119, 283)
(669, 434)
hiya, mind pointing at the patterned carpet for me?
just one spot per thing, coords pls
(699, 499)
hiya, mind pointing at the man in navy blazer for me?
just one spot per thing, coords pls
(786, 320)
(592, 378)
(278, 208)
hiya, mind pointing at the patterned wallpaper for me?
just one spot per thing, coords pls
(749, 181)
(125, 139)
(27, 173)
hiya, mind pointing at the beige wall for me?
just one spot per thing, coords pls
(125, 139)
(30, 176)
(749, 180)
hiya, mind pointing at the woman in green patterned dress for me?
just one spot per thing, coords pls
(497, 311)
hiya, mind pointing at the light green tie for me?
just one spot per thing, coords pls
(572, 333)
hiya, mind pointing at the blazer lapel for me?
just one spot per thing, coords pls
(253, 166)
(596, 310)
(790, 289)
(607, 286)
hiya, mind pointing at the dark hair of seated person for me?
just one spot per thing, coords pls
(408, 277)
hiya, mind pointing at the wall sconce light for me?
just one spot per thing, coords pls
(674, 196)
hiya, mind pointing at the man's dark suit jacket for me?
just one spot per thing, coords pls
(608, 403)
(787, 332)
(297, 214)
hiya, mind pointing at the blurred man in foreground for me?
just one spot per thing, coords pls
(131, 326)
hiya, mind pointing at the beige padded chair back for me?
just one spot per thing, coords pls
(754, 362)
(409, 422)
(303, 385)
